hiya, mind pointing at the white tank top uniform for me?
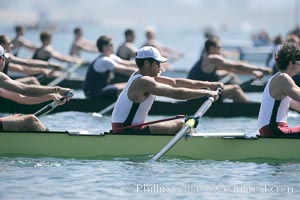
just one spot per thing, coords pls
(272, 111)
(267, 107)
(128, 113)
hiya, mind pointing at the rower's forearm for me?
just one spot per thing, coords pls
(193, 84)
(188, 94)
(36, 90)
(30, 62)
(32, 100)
(32, 71)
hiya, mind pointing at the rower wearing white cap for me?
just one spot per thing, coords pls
(136, 99)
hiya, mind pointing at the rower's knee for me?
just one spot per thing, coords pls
(179, 125)
(33, 123)
(238, 94)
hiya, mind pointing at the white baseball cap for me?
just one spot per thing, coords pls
(2, 51)
(150, 52)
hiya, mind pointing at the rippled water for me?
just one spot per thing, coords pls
(23, 178)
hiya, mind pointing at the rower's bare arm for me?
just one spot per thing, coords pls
(188, 83)
(237, 66)
(65, 58)
(21, 99)
(28, 90)
(126, 70)
(88, 46)
(295, 105)
(30, 62)
(28, 70)
(28, 44)
(289, 88)
(127, 63)
(149, 85)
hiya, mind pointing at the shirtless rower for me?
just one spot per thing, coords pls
(46, 51)
(19, 41)
(127, 50)
(81, 44)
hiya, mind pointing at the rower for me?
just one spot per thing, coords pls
(136, 99)
(100, 72)
(280, 94)
(26, 94)
(212, 66)
(46, 51)
(127, 50)
(81, 44)
(19, 41)
(168, 52)
(26, 66)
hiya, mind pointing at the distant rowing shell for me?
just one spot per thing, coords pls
(219, 109)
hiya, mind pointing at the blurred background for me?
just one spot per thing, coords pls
(179, 23)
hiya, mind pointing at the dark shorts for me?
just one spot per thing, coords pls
(108, 92)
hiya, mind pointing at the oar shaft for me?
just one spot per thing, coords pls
(108, 108)
(46, 109)
(226, 79)
(204, 107)
(200, 112)
(59, 79)
(149, 123)
(247, 83)
(171, 143)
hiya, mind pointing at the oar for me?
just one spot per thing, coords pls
(189, 124)
(40, 77)
(48, 108)
(226, 78)
(59, 79)
(247, 83)
(148, 123)
(105, 110)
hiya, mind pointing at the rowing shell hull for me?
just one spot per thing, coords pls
(218, 109)
(110, 146)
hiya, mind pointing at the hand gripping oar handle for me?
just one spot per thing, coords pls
(189, 124)
(48, 108)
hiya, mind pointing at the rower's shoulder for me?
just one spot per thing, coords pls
(283, 76)
(283, 79)
(3, 77)
(145, 78)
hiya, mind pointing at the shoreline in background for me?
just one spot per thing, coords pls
(179, 24)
